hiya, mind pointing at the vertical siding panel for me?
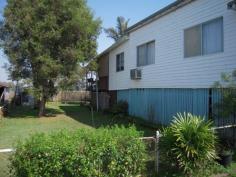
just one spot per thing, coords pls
(166, 103)
(201, 102)
(216, 98)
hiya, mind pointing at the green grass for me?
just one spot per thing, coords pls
(23, 122)
(219, 171)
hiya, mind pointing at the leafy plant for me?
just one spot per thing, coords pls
(103, 152)
(227, 86)
(189, 143)
(119, 31)
(120, 109)
(46, 40)
(225, 108)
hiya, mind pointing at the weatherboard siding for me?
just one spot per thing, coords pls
(171, 69)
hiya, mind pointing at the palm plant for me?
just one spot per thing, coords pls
(189, 143)
(119, 31)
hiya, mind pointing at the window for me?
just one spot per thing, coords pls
(146, 54)
(120, 62)
(192, 41)
(206, 38)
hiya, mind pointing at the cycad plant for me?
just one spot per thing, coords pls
(189, 143)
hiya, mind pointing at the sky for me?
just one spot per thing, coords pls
(107, 11)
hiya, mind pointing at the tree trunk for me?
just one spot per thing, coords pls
(42, 106)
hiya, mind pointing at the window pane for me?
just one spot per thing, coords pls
(122, 59)
(192, 41)
(151, 53)
(120, 62)
(212, 34)
(141, 55)
(117, 62)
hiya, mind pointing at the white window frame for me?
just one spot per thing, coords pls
(146, 54)
(119, 63)
(201, 30)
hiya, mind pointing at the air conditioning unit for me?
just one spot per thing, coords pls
(135, 74)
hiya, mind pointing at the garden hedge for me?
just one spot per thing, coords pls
(113, 152)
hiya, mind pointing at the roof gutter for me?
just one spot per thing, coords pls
(113, 46)
(164, 11)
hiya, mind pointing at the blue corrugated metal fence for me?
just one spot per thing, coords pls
(160, 105)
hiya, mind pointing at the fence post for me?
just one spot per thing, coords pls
(157, 151)
(92, 116)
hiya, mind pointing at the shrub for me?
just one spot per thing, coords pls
(189, 143)
(102, 152)
(120, 108)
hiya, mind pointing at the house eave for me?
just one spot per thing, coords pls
(5, 85)
(164, 11)
(113, 46)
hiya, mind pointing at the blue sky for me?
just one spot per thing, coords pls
(107, 10)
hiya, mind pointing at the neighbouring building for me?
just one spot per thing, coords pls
(168, 62)
(4, 93)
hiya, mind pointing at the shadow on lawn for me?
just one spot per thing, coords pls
(29, 112)
(83, 114)
(79, 113)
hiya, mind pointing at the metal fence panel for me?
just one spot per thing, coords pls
(160, 105)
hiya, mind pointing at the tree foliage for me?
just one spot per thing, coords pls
(119, 31)
(45, 40)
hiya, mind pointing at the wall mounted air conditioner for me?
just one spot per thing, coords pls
(135, 74)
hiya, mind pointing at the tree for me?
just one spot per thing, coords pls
(79, 77)
(119, 31)
(45, 40)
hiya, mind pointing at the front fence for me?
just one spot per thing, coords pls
(227, 133)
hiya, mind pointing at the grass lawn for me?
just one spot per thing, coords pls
(23, 121)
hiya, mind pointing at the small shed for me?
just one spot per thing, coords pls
(3, 88)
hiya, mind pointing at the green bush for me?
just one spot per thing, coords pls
(189, 144)
(114, 152)
(120, 108)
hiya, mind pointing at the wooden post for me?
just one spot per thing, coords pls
(1, 112)
(97, 97)
(157, 151)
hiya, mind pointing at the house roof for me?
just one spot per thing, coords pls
(116, 44)
(164, 11)
(3, 84)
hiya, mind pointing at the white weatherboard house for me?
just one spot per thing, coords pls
(168, 62)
